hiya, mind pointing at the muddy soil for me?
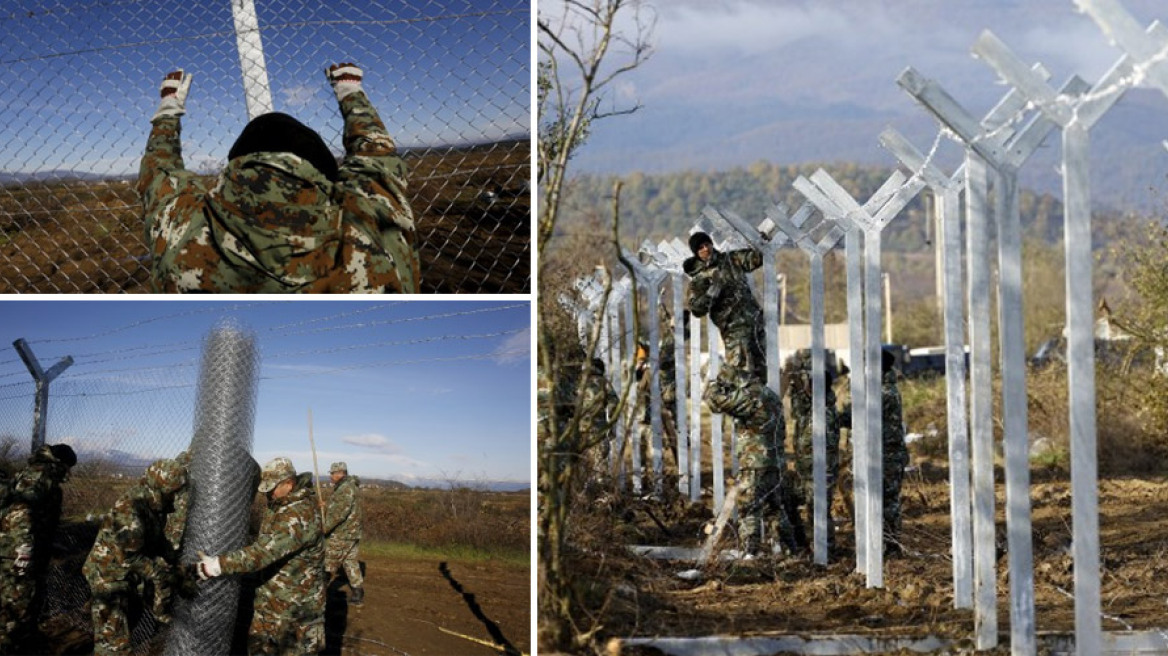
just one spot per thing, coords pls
(791, 595)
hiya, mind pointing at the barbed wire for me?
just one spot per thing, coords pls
(493, 355)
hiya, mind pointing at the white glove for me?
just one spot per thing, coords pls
(345, 79)
(174, 91)
(209, 566)
(23, 558)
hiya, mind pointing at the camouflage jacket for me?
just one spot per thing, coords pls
(32, 513)
(892, 419)
(273, 223)
(288, 553)
(758, 412)
(131, 545)
(734, 308)
(800, 392)
(342, 520)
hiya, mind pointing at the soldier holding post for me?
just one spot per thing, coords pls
(342, 530)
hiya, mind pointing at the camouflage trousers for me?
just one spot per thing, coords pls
(805, 471)
(342, 554)
(16, 600)
(272, 634)
(894, 465)
(111, 624)
(760, 505)
(746, 350)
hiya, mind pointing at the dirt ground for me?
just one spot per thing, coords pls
(791, 595)
(408, 603)
(412, 606)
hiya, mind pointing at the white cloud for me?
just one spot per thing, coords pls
(516, 348)
(372, 442)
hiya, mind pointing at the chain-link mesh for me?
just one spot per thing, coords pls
(223, 476)
(130, 398)
(79, 82)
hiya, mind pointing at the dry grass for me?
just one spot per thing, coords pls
(87, 236)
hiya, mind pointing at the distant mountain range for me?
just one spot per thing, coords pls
(794, 81)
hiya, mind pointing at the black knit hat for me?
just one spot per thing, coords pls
(887, 360)
(697, 239)
(280, 133)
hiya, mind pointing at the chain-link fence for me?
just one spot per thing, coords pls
(79, 82)
(132, 395)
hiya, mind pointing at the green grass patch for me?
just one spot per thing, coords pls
(512, 557)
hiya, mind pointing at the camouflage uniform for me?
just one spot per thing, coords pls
(28, 521)
(289, 553)
(272, 222)
(733, 309)
(895, 458)
(342, 526)
(758, 415)
(132, 557)
(176, 521)
(797, 379)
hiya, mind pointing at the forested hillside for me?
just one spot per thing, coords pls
(668, 204)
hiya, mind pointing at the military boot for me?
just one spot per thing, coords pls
(358, 597)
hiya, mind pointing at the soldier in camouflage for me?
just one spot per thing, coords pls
(176, 521)
(758, 416)
(342, 528)
(895, 451)
(281, 217)
(29, 516)
(797, 380)
(132, 559)
(718, 287)
(288, 553)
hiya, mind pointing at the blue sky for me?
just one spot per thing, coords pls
(418, 391)
(79, 78)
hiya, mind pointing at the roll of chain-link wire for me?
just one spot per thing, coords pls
(224, 478)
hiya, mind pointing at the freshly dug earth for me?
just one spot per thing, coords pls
(791, 595)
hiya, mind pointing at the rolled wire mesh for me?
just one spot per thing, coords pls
(223, 476)
(79, 82)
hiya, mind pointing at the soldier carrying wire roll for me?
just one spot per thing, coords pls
(282, 216)
(288, 553)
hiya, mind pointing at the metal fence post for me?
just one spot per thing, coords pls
(947, 191)
(42, 378)
(252, 66)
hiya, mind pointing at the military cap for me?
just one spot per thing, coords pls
(165, 475)
(276, 471)
(338, 467)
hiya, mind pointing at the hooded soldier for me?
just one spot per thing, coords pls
(28, 519)
(282, 216)
(288, 553)
(719, 287)
(895, 451)
(132, 559)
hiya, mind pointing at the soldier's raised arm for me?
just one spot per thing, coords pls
(373, 179)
